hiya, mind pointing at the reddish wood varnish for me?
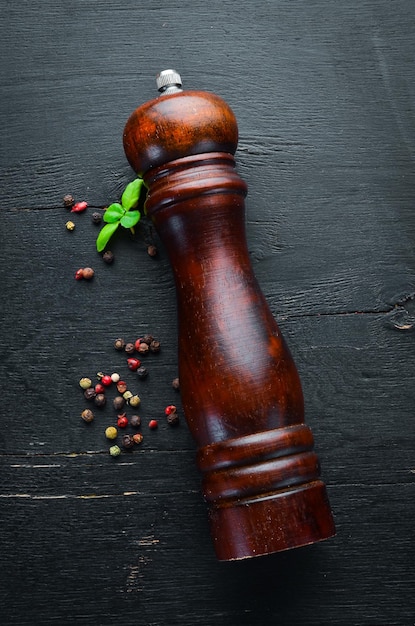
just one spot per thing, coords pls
(240, 388)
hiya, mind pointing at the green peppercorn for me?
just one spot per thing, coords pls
(87, 415)
(85, 383)
(127, 395)
(134, 400)
(70, 226)
(115, 451)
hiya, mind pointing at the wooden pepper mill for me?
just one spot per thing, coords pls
(240, 389)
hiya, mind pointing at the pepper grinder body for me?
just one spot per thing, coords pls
(240, 389)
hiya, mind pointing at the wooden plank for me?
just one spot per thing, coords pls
(146, 558)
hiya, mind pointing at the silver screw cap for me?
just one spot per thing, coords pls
(169, 81)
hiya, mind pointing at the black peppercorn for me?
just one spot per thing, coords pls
(142, 372)
(89, 394)
(108, 257)
(96, 218)
(155, 346)
(68, 201)
(152, 250)
(147, 339)
(118, 403)
(173, 418)
(119, 344)
(129, 348)
(100, 399)
(135, 421)
(127, 441)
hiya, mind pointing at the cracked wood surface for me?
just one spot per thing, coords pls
(324, 94)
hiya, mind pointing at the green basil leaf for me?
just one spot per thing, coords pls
(130, 219)
(113, 213)
(105, 235)
(131, 194)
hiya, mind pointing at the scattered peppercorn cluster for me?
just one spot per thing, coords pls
(96, 393)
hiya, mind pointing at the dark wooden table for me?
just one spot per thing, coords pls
(324, 93)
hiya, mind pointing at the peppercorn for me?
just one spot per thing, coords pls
(87, 415)
(133, 364)
(106, 380)
(85, 383)
(90, 393)
(134, 400)
(100, 375)
(147, 339)
(70, 226)
(88, 273)
(175, 384)
(121, 387)
(138, 438)
(129, 348)
(118, 403)
(135, 421)
(96, 217)
(142, 372)
(79, 274)
(122, 421)
(152, 250)
(173, 418)
(143, 348)
(108, 257)
(153, 424)
(127, 441)
(155, 346)
(68, 201)
(127, 395)
(100, 399)
(111, 432)
(99, 388)
(119, 344)
(79, 207)
(170, 409)
(115, 451)
(115, 377)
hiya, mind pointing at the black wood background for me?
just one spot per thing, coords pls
(324, 93)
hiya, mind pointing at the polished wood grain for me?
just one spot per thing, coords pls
(240, 389)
